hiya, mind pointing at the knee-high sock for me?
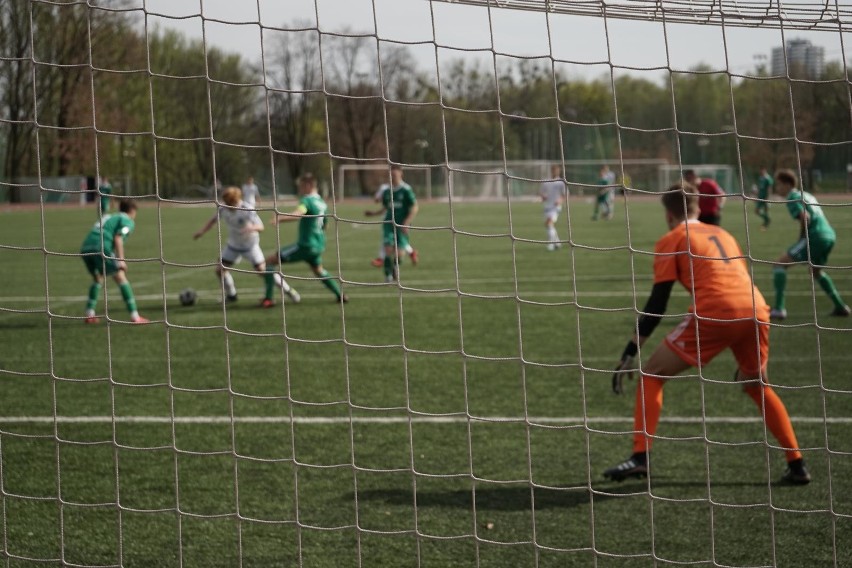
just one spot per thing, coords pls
(280, 282)
(775, 416)
(230, 287)
(779, 279)
(552, 236)
(827, 284)
(94, 294)
(129, 298)
(269, 280)
(646, 414)
(330, 283)
(389, 271)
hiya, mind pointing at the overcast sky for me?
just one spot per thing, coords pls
(462, 30)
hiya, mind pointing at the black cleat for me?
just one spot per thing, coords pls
(343, 299)
(231, 298)
(634, 466)
(842, 312)
(796, 473)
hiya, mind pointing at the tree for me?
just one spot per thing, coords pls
(17, 121)
(294, 83)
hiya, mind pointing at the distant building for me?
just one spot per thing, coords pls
(806, 60)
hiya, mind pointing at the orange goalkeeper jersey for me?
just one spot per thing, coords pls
(709, 263)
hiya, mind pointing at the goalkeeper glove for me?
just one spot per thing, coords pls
(626, 367)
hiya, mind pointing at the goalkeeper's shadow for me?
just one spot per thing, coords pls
(521, 497)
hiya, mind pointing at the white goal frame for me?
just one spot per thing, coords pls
(343, 169)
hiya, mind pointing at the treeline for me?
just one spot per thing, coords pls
(86, 90)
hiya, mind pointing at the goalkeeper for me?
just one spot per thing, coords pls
(728, 311)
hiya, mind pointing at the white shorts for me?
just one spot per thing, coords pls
(233, 255)
(552, 213)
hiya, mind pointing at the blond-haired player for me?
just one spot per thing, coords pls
(244, 227)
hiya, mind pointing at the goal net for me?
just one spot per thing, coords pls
(437, 389)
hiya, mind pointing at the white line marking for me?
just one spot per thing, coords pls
(323, 420)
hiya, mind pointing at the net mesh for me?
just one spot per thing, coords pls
(461, 413)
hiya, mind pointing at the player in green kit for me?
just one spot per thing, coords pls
(105, 192)
(605, 198)
(764, 187)
(816, 239)
(103, 254)
(399, 205)
(311, 215)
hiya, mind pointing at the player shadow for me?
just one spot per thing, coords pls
(520, 498)
(516, 498)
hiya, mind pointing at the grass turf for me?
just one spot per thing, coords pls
(460, 419)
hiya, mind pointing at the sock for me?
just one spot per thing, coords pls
(280, 282)
(646, 414)
(330, 282)
(381, 254)
(409, 249)
(776, 418)
(269, 280)
(94, 294)
(551, 234)
(765, 217)
(827, 284)
(230, 288)
(129, 298)
(388, 268)
(779, 278)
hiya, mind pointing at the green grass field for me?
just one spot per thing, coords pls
(462, 418)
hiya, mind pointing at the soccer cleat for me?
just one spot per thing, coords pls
(415, 258)
(231, 298)
(92, 319)
(796, 473)
(293, 295)
(777, 314)
(843, 312)
(377, 262)
(140, 319)
(267, 303)
(343, 299)
(631, 467)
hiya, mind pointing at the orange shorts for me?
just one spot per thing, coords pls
(699, 344)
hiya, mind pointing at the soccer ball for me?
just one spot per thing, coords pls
(187, 297)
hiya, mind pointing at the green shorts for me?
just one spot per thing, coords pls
(819, 251)
(99, 265)
(391, 237)
(295, 253)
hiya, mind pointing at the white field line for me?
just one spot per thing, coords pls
(214, 294)
(324, 420)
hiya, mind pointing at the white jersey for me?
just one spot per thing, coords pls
(553, 193)
(236, 218)
(250, 195)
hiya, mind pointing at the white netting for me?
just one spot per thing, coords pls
(459, 414)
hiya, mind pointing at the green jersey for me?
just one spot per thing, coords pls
(312, 225)
(398, 203)
(103, 233)
(818, 226)
(764, 185)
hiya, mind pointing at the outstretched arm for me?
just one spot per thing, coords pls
(207, 226)
(293, 215)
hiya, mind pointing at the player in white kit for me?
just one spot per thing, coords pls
(552, 195)
(244, 227)
(251, 194)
